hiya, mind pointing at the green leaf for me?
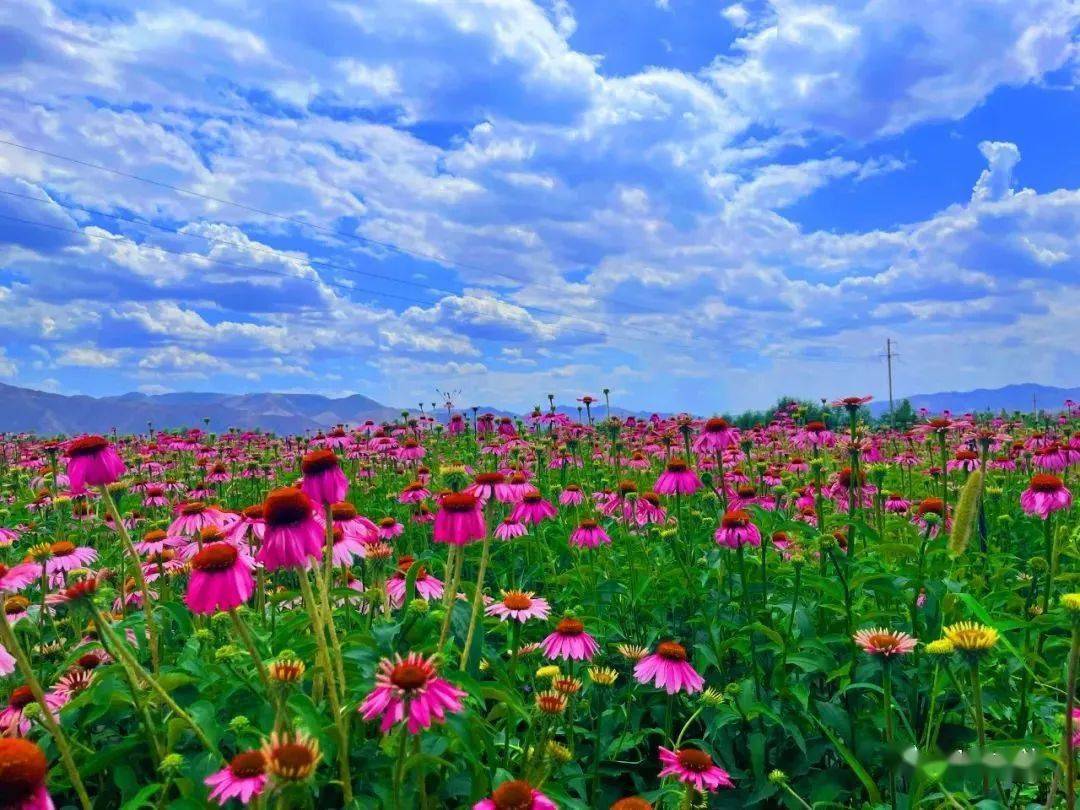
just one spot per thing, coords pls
(850, 759)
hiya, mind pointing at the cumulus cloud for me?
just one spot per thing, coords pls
(576, 226)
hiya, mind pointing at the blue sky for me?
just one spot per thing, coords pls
(699, 205)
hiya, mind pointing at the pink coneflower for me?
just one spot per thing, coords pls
(931, 506)
(648, 510)
(519, 606)
(716, 435)
(92, 461)
(1045, 494)
(389, 528)
(737, 530)
(71, 683)
(571, 495)
(515, 488)
(23, 768)
(459, 520)
(509, 528)
(7, 662)
(588, 534)
(194, 516)
(813, 434)
(154, 496)
(410, 450)
(243, 778)
(66, 556)
(488, 485)
(668, 669)
(249, 528)
(220, 579)
(414, 493)
(352, 522)
(896, 503)
(409, 688)
(638, 461)
(570, 641)
(677, 479)
(881, 641)
(18, 576)
(427, 586)
(516, 795)
(323, 482)
(533, 508)
(156, 541)
(1075, 741)
(13, 722)
(693, 766)
(293, 536)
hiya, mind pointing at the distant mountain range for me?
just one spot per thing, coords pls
(47, 414)
(1022, 397)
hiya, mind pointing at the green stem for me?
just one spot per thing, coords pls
(478, 600)
(141, 674)
(47, 719)
(148, 611)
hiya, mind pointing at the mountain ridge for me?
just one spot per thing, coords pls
(28, 410)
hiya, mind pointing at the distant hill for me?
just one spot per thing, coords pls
(1010, 398)
(44, 413)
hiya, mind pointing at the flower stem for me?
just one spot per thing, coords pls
(137, 670)
(47, 719)
(249, 642)
(148, 611)
(478, 600)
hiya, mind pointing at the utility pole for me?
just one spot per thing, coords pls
(888, 360)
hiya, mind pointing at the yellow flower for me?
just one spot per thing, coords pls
(559, 752)
(1071, 602)
(971, 636)
(940, 647)
(550, 671)
(602, 676)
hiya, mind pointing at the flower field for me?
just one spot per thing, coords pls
(824, 610)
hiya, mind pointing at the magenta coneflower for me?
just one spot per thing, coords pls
(414, 492)
(243, 778)
(896, 504)
(1045, 494)
(737, 530)
(66, 556)
(936, 508)
(519, 606)
(509, 528)
(459, 520)
(885, 642)
(154, 496)
(813, 434)
(427, 586)
(692, 766)
(220, 579)
(194, 516)
(668, 669)
(18, 576)
(23, 768)
(532, 508)
(292, 535)
(92, 461)
(716, 435)
(13, 722)
(389, 528)
(409, 689)
(516, 795)
(571, 495)
(677, 479)
(588, 534)
(570, 641)
(488, 485)
(323, 482)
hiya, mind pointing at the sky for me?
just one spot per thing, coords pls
(698, 204)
